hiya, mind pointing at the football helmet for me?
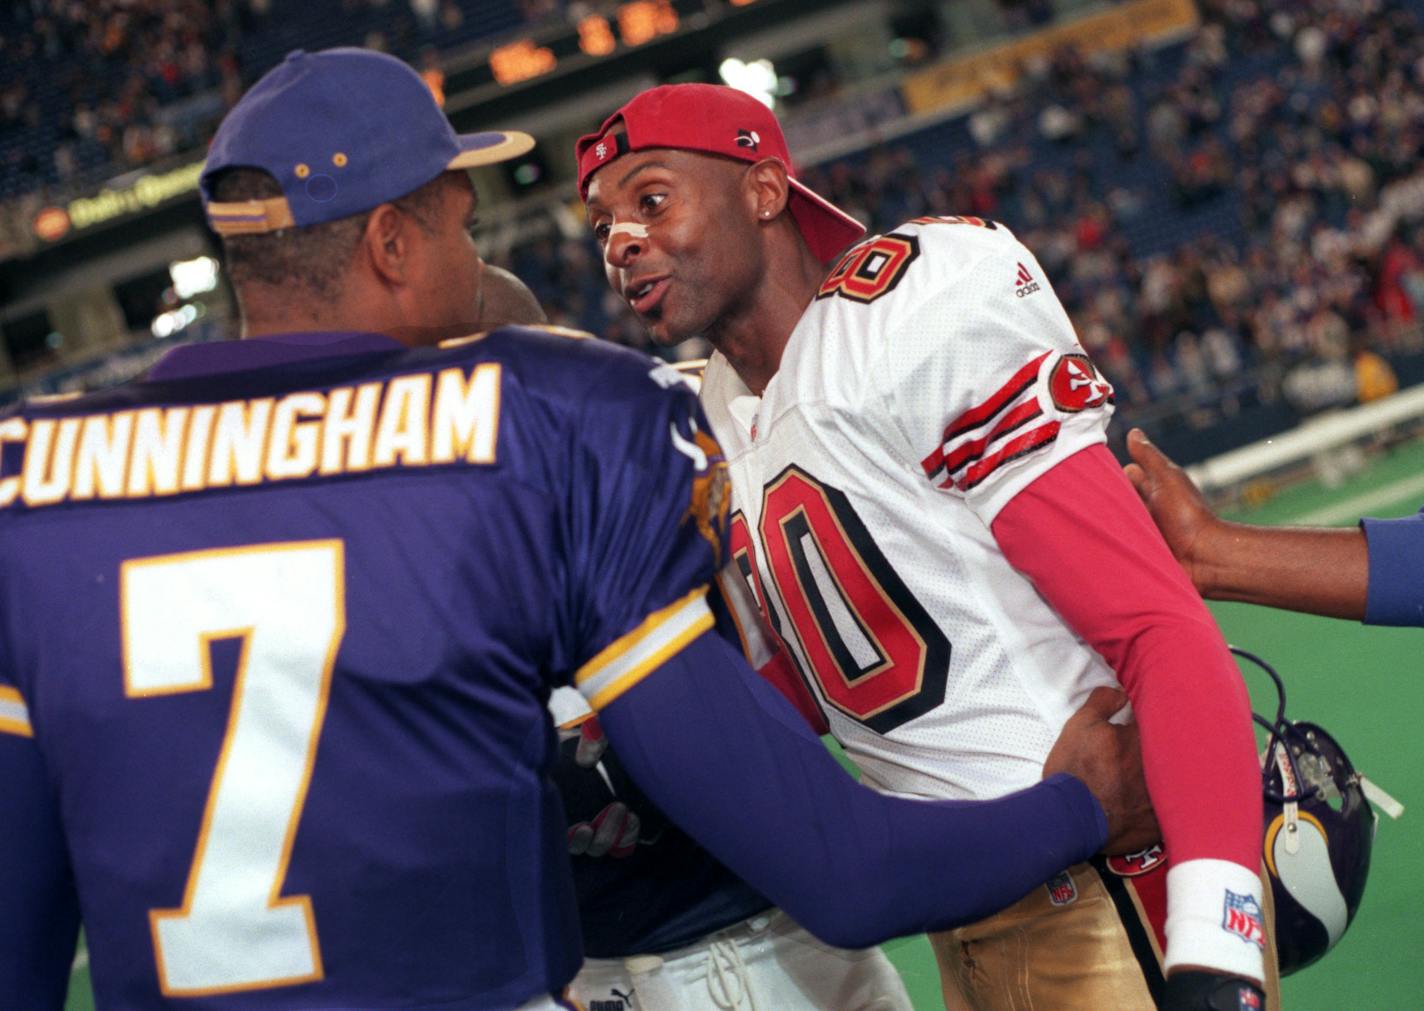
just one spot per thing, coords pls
(1319, 832)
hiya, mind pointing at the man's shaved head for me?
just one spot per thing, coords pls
(505, 300)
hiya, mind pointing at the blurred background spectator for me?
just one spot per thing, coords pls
(1232, 221)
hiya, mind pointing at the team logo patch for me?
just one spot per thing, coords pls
(601, 151)
(1076, 386)
(1241, 915)
(1024, 284)
(1130, 865)
(748, 139)
(711, 494)
(1061, 889)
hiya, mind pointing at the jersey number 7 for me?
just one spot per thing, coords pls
(875, 652)
(235, 930)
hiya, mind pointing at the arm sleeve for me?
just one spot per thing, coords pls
(39, 910)
(1083, 537)
(727, 758)
(646, 524)
(1396, 591)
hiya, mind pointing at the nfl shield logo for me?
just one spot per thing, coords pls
(1061, 889)
(1241, 915)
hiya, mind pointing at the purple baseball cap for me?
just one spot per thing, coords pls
(342, 131)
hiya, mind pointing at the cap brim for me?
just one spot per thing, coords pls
(490, 148)
(827, 229)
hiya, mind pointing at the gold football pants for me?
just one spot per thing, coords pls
(1091, 938)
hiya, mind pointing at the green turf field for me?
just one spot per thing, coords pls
(1365, 685)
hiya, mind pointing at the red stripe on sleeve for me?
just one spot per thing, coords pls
(1012, 450)
(1082, 536)
(976, 416)
(933, 462)
(970, 451)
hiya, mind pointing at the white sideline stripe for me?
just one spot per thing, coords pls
(1362, 504)
(1313, 436)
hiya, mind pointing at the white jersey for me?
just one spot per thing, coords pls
(932, 379)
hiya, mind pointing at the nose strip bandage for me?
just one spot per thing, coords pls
(628, 228)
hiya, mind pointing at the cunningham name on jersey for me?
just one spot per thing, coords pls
(933, 378)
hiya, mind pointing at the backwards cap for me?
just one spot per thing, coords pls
(714, 119)
(342, 131)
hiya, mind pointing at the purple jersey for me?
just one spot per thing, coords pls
(1396, 553)
(279, 627)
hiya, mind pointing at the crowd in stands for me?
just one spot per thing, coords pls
(107, 75)
(90, 88)
(1231, 220)
(1235, 218)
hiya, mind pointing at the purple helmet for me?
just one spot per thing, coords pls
(1319, 832)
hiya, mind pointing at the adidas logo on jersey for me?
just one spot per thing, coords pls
(1024, 284)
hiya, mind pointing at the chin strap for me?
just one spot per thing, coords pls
(1376, 796)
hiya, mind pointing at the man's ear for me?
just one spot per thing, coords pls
(767, 188)
(386, 243)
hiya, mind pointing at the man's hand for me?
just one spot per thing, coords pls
(1108, 759)
(613, 832)
(591, 743)
(1177, 506)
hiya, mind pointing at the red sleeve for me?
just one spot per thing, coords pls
(1082, 536)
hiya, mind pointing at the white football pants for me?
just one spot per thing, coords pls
(765, 963)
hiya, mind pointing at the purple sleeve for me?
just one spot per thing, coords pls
(1396, 591)
(731, 761)
(39, 912)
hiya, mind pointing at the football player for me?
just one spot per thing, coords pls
(664, 924)
(1369, 573)
(927, 512)
(278, 625)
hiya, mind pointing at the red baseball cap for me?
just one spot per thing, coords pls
(714, 119)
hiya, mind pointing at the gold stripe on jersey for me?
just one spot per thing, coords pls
(14, 715)
(417, 420)
(634, 655)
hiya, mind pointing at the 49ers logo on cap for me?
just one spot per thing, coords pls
(748, 139)
(1076, 386)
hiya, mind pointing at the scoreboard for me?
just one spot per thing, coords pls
(628, 25)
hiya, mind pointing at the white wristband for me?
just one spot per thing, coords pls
(1215, 918)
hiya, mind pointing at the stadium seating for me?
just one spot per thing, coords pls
(1191, 204)
(94, 88)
